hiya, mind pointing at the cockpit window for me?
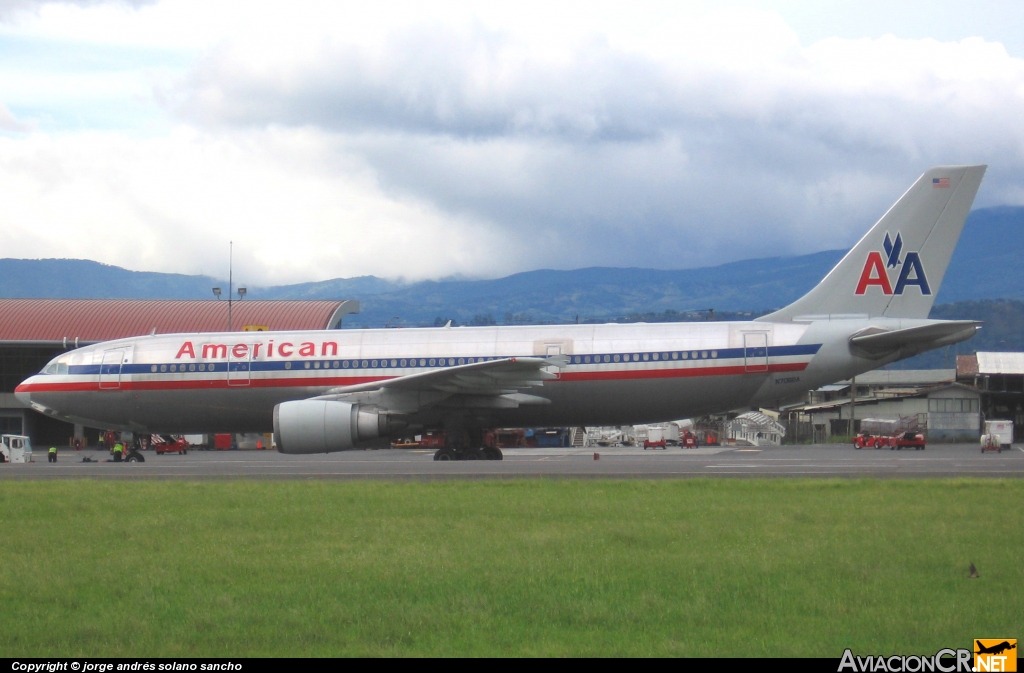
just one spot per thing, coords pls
(58, 365)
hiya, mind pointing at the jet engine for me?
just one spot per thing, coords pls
(322, 426)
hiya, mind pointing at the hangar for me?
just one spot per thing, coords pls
(34, 331)
(1000, 377)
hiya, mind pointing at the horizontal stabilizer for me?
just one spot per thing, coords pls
(876, 343)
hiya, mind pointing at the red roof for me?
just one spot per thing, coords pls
(104, 319)
(966, 366)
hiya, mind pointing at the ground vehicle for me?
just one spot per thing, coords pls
(15, 449)
(990, 443)
(907, 440)
(1000, 434)
(432, 439)
(880, 433)
(168, 444)
(688, 440)
(655, 438)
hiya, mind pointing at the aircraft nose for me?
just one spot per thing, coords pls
(22, 394)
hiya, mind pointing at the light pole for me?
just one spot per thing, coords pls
(231, 248)
(231, 282)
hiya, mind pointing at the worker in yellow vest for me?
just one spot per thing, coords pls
(118, 452)
(51, 457)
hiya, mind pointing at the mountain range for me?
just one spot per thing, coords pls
(986, 265)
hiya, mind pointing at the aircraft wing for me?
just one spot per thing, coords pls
(490, 384)
(877, 343)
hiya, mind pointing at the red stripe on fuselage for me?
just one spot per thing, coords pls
(334, 382)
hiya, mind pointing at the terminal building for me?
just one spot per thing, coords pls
(34, 331)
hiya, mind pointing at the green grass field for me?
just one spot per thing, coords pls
(695, 567)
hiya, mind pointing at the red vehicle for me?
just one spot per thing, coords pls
(432, 439)
(167, 444)
(688, 440)
(898, 441)
(907, 440)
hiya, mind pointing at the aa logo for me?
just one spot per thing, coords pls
(995, 654)
(876, 269)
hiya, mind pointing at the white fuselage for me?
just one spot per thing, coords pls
(616, 374)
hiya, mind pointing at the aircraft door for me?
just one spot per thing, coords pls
(239, 367)
(755, 352)
(110, 368)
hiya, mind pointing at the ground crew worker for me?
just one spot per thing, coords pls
(118, 452)
(51, 457)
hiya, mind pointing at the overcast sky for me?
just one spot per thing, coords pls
(424, 140)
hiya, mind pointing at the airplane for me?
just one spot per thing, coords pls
(332, 390)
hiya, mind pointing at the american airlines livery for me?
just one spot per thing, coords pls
(333, 390)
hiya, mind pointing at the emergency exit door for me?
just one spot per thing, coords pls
(755, 352)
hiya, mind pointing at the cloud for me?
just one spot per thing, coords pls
(172, 203)
(415, 140)
(719, 138)
(9, 123)
(10, 9)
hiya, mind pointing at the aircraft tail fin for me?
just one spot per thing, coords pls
(897, 268)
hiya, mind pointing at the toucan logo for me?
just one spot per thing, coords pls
(876, 269)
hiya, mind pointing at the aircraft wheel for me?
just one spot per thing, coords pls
(492, 453)
(472, 454)
(443, 454)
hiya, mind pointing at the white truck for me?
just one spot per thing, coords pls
(15, 449)
(998, 435)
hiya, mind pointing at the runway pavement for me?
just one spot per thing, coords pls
(943, 460)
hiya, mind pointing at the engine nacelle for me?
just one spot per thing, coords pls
(322, 426)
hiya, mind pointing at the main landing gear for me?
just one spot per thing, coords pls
(483, 453)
